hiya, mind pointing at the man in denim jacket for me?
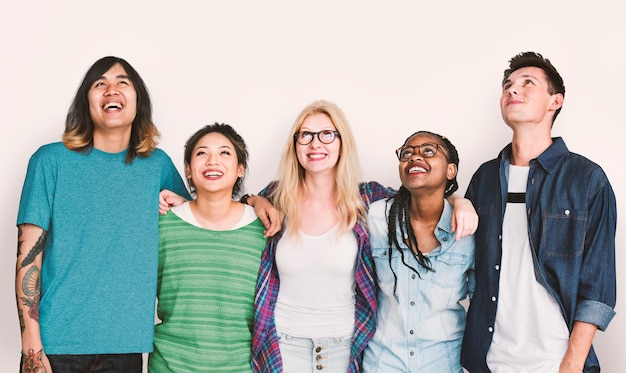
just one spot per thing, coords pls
(545, 245)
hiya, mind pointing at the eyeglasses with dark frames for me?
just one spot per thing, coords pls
(427, 150)
(325, 137)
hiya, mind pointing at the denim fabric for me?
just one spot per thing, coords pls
(302, 355)
(572, 216)
(420, 327)
(117, 363)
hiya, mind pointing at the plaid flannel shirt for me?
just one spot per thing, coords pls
(265, 351)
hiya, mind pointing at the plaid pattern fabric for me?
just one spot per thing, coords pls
(265, 351)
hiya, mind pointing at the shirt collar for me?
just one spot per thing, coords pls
(548, 160)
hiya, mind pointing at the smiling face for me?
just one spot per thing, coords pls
(526, 98)
(421, 173)
(113, 101)
(317, 157)
(214, 166)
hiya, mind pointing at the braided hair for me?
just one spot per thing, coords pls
(398, 216)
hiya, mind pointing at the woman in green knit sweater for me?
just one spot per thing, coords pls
(209, 255)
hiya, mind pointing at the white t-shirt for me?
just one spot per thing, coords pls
(316, 298)
(184, 212)
(530, 334)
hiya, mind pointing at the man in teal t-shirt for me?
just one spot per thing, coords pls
(88, 230)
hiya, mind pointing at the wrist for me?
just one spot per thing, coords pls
(244, 198)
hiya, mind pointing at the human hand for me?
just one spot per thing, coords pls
(464, 218)
(168, 199)
(35, 362)
(267, 213)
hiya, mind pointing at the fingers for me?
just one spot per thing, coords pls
(466, 225)
(274, 225)
(164, 207)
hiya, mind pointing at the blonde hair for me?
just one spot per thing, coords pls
(350, 207)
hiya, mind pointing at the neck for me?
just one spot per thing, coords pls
(216, 210)
(426, 208)
(320, 186)
(111, 142)
(528, 145)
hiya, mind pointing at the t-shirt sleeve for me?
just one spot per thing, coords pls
(38, 191)
(171, 180)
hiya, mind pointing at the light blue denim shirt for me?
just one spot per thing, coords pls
(420, 329)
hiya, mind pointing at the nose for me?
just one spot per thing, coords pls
(512, 90)
(111, 90)
(211, 159)
(315, 141)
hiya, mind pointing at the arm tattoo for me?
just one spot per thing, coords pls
(19, 240)
(31, 286)
(32, 362)
(36, 250)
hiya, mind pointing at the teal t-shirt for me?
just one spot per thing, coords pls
(98, 278)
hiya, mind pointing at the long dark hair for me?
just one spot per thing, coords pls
(79, 127)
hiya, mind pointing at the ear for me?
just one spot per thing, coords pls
(187, 171)
(557, 101)
(452, 171)
(241, 170)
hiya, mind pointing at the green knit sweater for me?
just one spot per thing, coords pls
(205, 294)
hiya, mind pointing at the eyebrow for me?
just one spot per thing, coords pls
(219, 147)
(121, 76)
(521, 76)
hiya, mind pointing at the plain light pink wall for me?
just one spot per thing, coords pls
(394, 67)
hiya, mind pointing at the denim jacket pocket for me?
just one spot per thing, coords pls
(563, 232)
(384, 274)
(449, 267)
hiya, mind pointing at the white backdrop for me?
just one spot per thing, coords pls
(394, 67)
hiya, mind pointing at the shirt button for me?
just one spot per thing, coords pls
(493, 299)
(413, 276)
(412, 353)
(319, 367)
(411, 331)
(497, 267)
(318, 349)
(412, 303)
(500, 237)
(490, 329)
(567, 212)
(445, 239)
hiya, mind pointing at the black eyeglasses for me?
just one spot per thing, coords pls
(427, 150)
(325, 137)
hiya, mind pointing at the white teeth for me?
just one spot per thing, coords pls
(212, 174)
(113, 105)
(417, 169)
(316, 156)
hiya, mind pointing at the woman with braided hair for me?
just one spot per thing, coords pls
(423, 273)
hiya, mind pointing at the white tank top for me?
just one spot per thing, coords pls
(316, 298)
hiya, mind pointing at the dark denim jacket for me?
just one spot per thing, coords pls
(571, 224)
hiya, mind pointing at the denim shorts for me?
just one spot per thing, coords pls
(306, 355)
(108, 363)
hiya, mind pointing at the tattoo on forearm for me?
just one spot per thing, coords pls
(32, 362)
(31, 286)
(20, 314)
(19, 240)
(36, 250)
